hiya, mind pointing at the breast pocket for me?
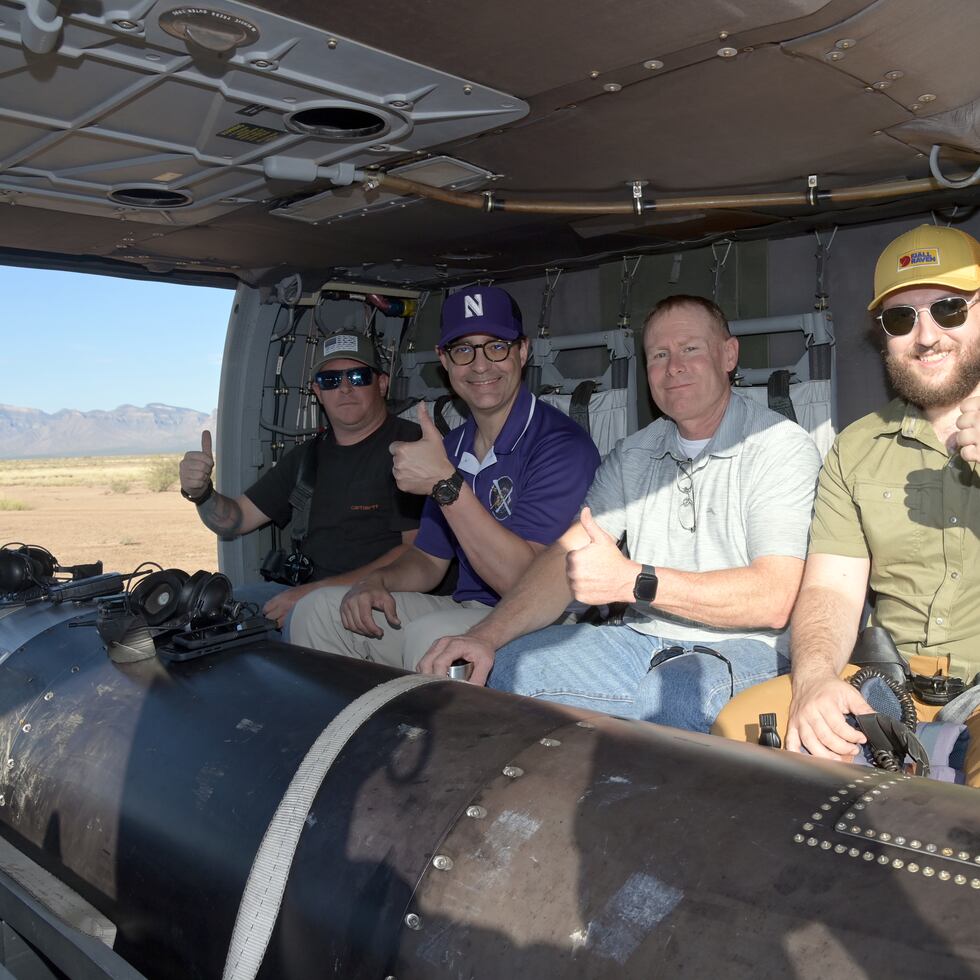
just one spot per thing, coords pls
(902, 523)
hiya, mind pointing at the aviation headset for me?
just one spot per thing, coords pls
(201, 598)
(25, 566)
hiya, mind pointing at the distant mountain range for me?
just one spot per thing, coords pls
(156, 428)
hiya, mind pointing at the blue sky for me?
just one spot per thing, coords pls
(84, 342)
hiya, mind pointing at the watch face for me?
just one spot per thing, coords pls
(645, 589)
(446, 491)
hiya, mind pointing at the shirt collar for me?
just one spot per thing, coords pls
(518, 421)
(902, 416)
(726, 441)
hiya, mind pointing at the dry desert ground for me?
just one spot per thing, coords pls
(107, 508)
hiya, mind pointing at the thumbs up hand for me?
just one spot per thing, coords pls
(419, 466)
(599, 573)
(196, 467)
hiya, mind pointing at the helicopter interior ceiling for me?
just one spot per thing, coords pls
(226, 140)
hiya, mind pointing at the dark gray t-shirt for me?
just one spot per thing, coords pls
(358, 513)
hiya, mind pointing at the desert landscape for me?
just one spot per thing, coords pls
(121, 510)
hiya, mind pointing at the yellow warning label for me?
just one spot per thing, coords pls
(250, 133)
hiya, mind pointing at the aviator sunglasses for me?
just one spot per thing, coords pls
(949, 312)
(359, 377)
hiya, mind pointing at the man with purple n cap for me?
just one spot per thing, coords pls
(898, 505)
(501, 488)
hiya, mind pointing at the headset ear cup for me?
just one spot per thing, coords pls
(213, 595)
(24, 567)
(189, 592)
(43, 563)
(157, 597)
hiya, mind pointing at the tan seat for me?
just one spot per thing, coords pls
(739, 719)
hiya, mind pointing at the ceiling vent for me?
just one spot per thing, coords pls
(337, 122)
(149, 196)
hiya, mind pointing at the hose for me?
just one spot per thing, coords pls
(489, 201)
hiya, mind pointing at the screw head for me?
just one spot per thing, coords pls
(515, 772)
(442, 862)
(413, 921)
(550, 742)
(476, 812)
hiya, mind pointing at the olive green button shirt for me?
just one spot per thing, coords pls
(891, 492)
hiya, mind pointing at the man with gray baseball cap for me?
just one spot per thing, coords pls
(358, 518)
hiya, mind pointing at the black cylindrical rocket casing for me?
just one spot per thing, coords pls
(464, 833)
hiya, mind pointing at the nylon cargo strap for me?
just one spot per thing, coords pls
(779, 400)
(301, 498)
(578, 406)
(262, 898)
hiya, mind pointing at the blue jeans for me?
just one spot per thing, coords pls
(607, 668)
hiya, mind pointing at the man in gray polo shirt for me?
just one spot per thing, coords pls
(714, 501)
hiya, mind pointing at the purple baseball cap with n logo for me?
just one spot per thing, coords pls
(475, 310)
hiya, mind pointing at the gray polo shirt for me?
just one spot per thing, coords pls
(753, 487)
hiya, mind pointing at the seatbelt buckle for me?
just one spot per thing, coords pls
(938, 689)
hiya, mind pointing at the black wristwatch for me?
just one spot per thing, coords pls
(446, 492)
(197, 501)
(645, 587)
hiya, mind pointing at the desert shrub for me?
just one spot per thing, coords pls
(162, 475)
(6, 504)
(119, 486)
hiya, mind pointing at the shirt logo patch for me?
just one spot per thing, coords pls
(473, 305)
(917, 257)
(501, 497)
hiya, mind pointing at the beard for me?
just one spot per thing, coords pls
(947, 393)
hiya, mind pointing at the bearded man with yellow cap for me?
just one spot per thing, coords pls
(898, 504)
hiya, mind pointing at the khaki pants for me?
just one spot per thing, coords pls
(424, 619)
(739, 719)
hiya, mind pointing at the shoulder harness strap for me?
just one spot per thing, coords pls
(301, 499)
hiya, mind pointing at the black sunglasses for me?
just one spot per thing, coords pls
(359, 377)
(949, 312)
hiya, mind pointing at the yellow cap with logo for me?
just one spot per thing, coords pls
(928, 256)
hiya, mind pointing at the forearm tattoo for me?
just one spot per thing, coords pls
(222, 515)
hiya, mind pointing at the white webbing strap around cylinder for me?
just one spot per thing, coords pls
(259, 908)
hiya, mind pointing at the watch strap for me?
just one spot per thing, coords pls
(204, 495)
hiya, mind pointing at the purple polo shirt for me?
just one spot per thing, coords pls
(533, 480)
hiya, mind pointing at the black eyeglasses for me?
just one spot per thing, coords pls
(359, 377)
(949, 312)
(493, 350)
(685, 483)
